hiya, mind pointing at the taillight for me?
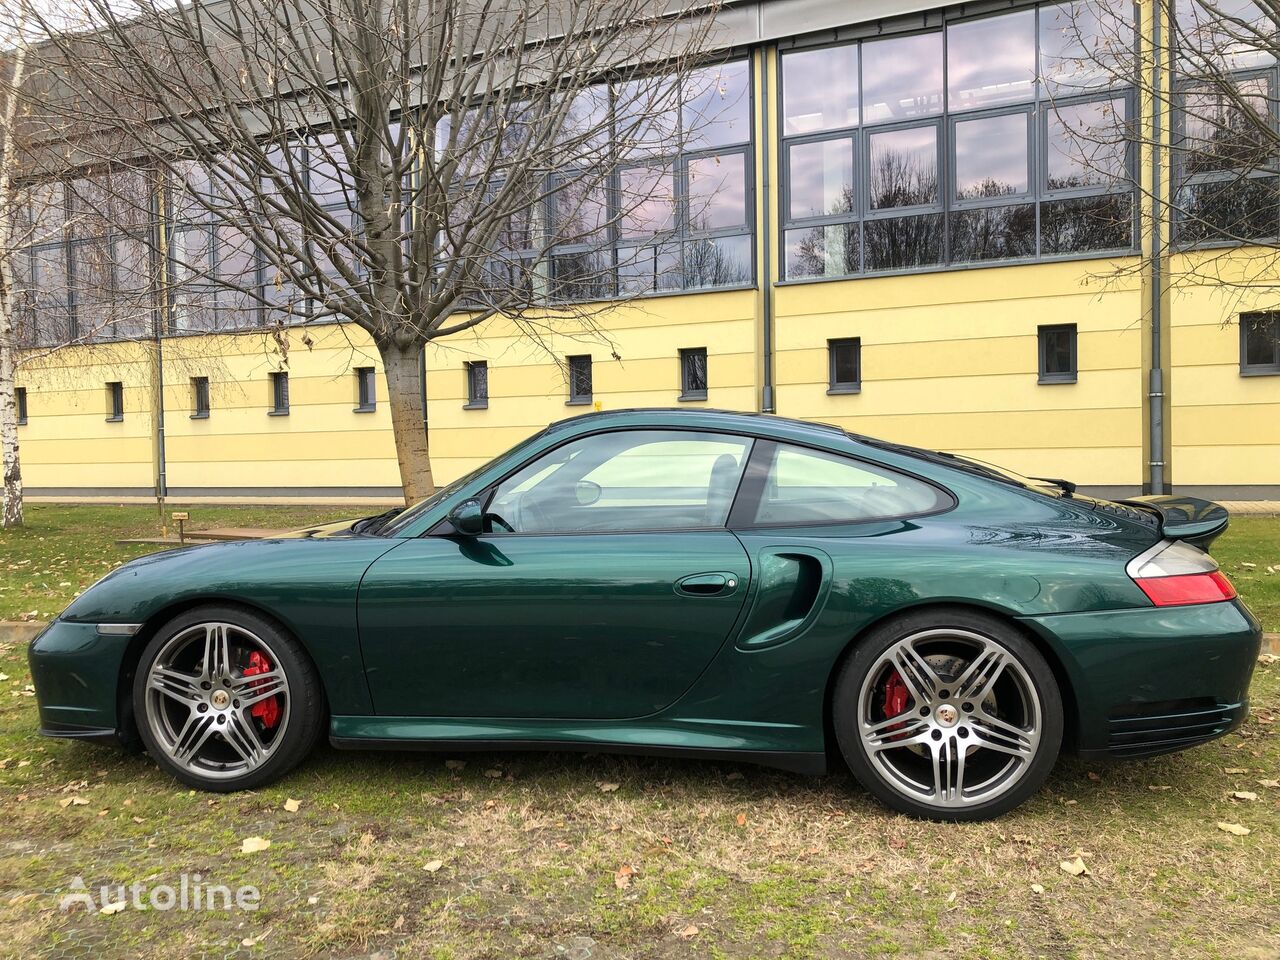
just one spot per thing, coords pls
(1175, 574)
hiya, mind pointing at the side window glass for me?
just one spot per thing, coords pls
(810, 486)
(624, 481)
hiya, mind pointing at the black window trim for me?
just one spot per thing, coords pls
(115, 401)
(474, 402)
(1258, 369)
(279, 409)
(838, 387)
(366, 390)
(200, 398)
(1045, 377)
(20, 405)
(687, 395)
(580, 399)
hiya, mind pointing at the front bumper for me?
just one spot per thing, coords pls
(77, 675)
(1155, 679)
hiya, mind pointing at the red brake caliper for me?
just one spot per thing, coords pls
(896, 696)
(268, 710)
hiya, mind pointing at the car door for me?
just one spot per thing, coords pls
(604, 583)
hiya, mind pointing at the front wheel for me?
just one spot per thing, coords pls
(948, 715)
(226, 700)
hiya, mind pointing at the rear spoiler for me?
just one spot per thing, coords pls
(1195, 521)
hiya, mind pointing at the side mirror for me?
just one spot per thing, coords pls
(587, 492)
(468, 518)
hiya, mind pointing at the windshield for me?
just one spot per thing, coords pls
(405, 519)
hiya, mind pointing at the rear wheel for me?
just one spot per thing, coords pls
(226, 700)
(948, 715)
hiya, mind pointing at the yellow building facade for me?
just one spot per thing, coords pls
(948, 353)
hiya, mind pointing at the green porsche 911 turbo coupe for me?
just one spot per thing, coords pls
(683, 582)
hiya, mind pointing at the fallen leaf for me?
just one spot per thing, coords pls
(431, 866)
(291, 805)
(1243, 795)
(1037, 888)
(1094, 777)
(606, 787)
(1158, 788)
(1074, 867)
(1270, 784)
(1234, 771)
(3, 677)
(138, 820)
(742, 819)
(1234, 829)
(687, 933)
(254, 844)
(1266, 659)
(116, 907)
(493, 774)
(73, 802)
(622, 879)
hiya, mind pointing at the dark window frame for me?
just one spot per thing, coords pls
(115, 401)
(279, 395)
(366, 390)
(20, 404)
(477, 391)
(835, 386)
(1248, 369)
(693, 393)
(1042, 101)
(200, 398)
(575, 366)
(1045, 375)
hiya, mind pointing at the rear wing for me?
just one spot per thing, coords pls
(1190, 519)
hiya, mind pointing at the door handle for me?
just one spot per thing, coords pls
(707, 584)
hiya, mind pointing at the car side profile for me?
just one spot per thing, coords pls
(679, 582)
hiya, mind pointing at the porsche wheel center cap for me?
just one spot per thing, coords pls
(220, 699)
(946, 715)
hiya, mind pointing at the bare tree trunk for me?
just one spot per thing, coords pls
(404, 395)
(8, 346)
(9, 424)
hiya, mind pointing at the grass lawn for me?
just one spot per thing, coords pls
(504, 855)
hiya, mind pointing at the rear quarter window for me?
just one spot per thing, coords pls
(812, 486)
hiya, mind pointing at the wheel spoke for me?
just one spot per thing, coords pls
(948, 771)
(916, 673)
(912, 731)
(243, 738)
(217, 651)
(257, 687)
(194, 734)
(992, 733)
(175, 684)
(977, 681)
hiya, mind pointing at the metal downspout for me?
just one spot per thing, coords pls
(766, 235)
(161, 313)
(1155, 390)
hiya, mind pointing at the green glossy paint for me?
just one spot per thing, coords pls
(709, 640)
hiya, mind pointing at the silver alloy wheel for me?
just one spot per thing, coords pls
(972, 727)
(200, 701)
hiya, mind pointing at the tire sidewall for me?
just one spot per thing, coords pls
(863, 657)
(301, 730)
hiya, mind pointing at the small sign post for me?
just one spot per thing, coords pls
(180, 518)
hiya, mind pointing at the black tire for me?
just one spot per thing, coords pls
(871, 653)
(306, 713)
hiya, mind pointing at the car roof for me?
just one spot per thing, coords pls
(744, 422)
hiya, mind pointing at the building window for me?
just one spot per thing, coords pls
(1260, 343)
(977, 163)
(1058, 353)
(844, 365)
(115, 402)
(200, 398)
(693, 374)
(580, 379)
(477, 385)
(279, 395)
(20, 400)
(366, 390)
